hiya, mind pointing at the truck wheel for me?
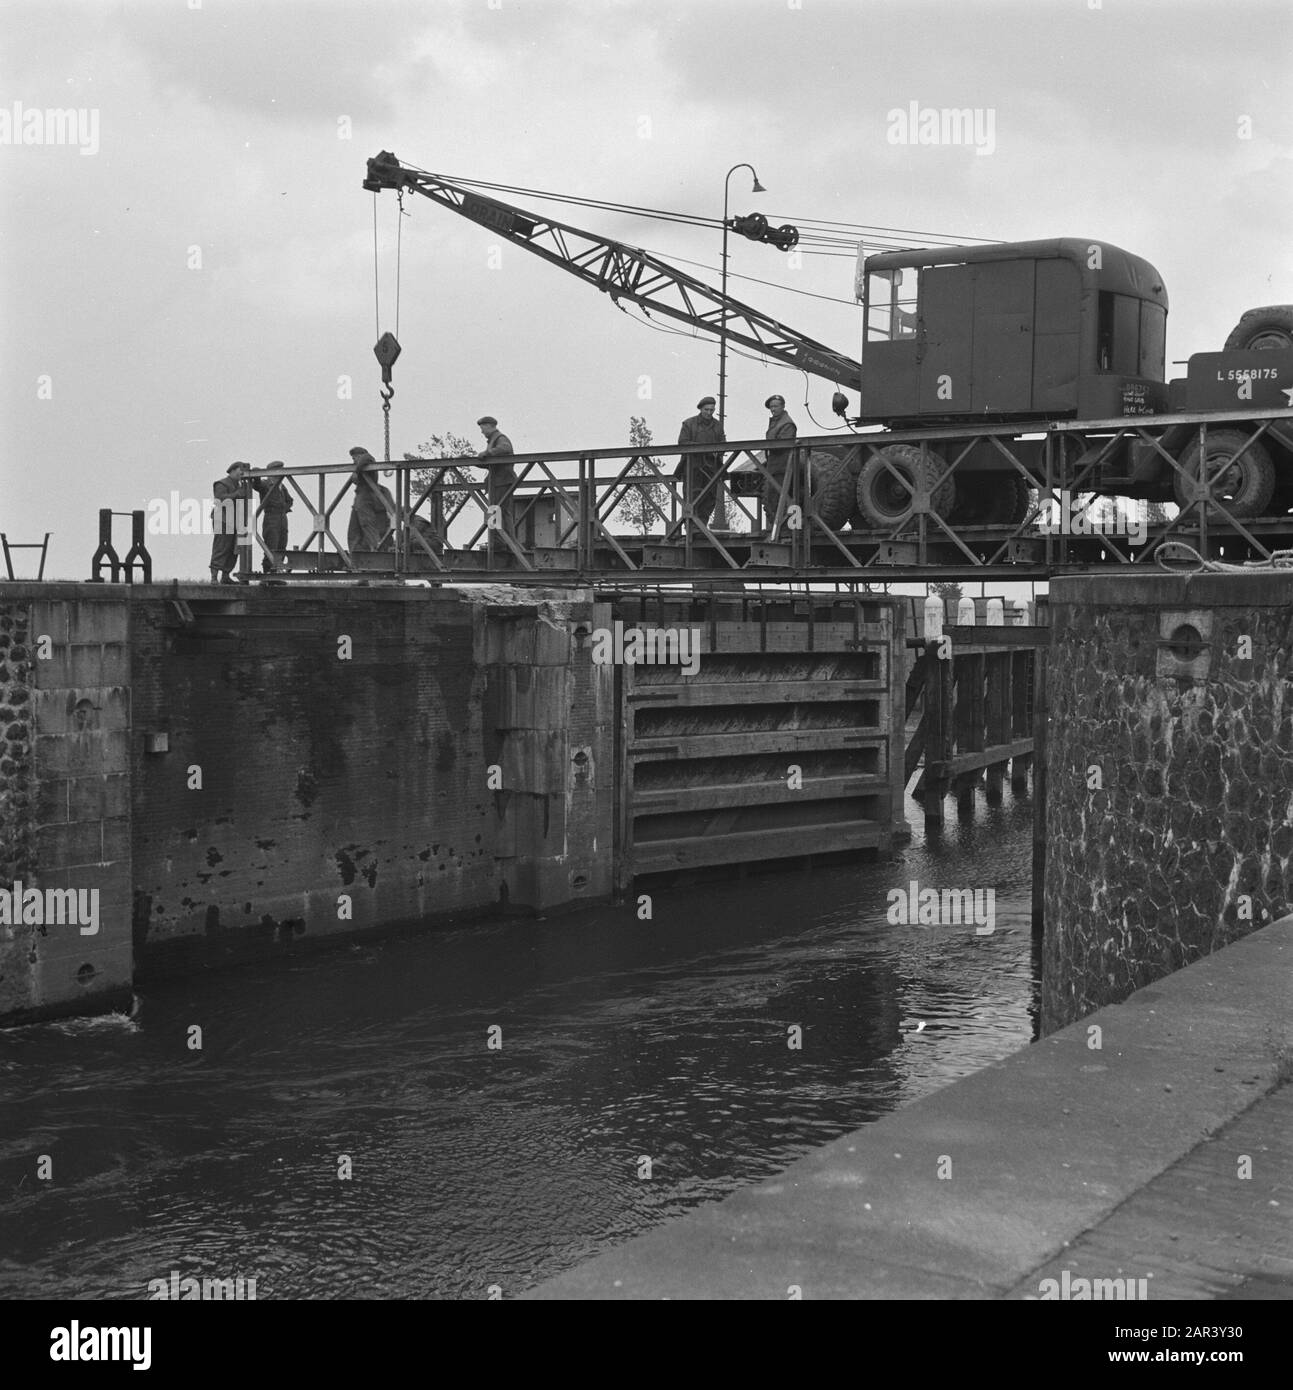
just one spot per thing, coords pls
(833, 488)
(886, 502)
(1246, 486)
(991, 499)
(1269, 327)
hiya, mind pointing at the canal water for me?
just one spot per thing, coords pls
(621, 1040)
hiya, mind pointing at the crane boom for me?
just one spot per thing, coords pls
(625, 272)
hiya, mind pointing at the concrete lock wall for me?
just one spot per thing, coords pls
(64, 798)
(243, 772)
(327, 762)
(1169, 821)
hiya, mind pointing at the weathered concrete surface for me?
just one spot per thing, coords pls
(1201, 1230)
(243, 772)
(365, 757)
(1042, 1147)
(1169, 766)
(65, 793)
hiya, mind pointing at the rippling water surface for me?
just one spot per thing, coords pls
(471, 1167)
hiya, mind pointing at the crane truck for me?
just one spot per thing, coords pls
(1017, 334)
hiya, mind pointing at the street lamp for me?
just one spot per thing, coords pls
(722, 332)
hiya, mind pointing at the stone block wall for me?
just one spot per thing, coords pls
(1169, 819)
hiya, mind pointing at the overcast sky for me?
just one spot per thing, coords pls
(1164, 128)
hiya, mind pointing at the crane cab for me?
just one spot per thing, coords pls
(1040, 330)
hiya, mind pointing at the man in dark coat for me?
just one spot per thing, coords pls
(232, 496)
(699, 470)
(497, 457)
(372, 515)
(275, 503)
(780, 461)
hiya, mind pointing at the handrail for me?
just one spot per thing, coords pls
(560, 510)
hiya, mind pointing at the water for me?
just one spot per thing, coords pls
(474, 1167)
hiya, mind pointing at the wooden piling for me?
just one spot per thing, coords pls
(998, 718)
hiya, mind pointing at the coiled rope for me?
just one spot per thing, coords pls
(1279, 560)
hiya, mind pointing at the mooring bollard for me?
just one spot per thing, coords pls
(106, 555)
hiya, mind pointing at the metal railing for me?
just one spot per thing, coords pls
(562, 512)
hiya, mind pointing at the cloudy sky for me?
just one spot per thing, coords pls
(132, 366)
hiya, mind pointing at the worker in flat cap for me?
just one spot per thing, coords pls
(372, 516)
(780, 461)
(275, 503)
(497, 456)
(701, 472)
(229, 520)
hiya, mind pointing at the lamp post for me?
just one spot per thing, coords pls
(722, 332)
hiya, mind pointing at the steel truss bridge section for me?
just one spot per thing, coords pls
(562, 520)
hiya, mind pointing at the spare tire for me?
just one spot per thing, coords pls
(832, 488)
(1270, 327)
(885, 501)
(991, 499)
(1247, 485)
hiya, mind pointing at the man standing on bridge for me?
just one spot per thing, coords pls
(229, 519)
(497, 456)
(781, 462)
(275, 503)
(700, 470)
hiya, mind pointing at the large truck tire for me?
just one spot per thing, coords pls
(1248, 484)
(884, 501)
(991, 499)
(1269, 327)
(833, 488)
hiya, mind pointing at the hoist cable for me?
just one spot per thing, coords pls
(377, 300)
(399, 245)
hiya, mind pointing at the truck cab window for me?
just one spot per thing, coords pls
(891, 305)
